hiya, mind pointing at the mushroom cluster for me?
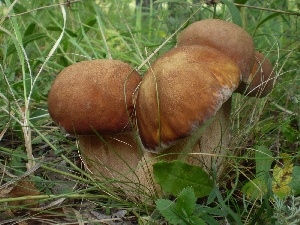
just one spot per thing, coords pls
(102, 101)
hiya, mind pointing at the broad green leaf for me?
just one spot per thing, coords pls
(295, 182)
(234, 11)
(176, 175)
(186, 201)
(167, 210)
(263, 160)
(181, 211)
(256, 188)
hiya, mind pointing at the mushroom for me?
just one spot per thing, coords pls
(94, 100)
(180, 92)
(188, 90)
(261, 80)
(227, 37)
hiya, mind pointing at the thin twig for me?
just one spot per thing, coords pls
(267, 9)
(283, 109)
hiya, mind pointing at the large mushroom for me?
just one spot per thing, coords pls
(94, 100)
(180, 92)
(189, 88)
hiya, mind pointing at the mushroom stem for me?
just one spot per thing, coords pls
(208, 151)
(113, 159)
(114, 156)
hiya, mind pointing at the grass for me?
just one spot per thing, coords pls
(40, 38)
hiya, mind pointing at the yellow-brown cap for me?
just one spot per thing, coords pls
(93, 96)
(226, 37)
(261, 79)
(180, 91)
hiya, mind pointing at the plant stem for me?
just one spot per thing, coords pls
(267, 9)
(48, 197)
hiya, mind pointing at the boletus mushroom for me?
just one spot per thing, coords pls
(94, 100)
(188, 86)
(181, 91)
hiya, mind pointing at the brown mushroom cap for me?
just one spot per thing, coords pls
(93, 96)
(183, 88)
(261, 80)
(224, 36)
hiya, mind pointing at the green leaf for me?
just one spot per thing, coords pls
(176, 175)
(197, 221)
(186, 201)
(234, 11)
(295, 183)
(29, 30)
(181, 211)
(292, 135)
(263, 160)
(19, 8)
(256, 188)
(167, 210)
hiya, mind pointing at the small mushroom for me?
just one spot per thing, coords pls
(261, 79)
(94, 100)
(224, 36)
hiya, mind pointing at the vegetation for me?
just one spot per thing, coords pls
(42, 176)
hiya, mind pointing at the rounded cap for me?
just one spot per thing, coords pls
(183, 88)
(261, 79)
(225, 37)
(93, 96)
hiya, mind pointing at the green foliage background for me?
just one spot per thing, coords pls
(40, 38)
